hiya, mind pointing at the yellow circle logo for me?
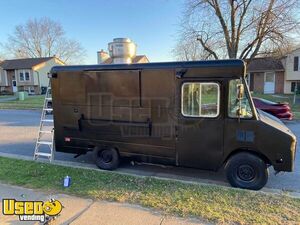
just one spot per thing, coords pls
(52, 207)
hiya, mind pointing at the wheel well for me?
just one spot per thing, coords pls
(260, 155)
(106, 147)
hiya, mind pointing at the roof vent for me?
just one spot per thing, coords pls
(122, 50)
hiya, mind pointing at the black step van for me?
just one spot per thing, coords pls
(191, 114)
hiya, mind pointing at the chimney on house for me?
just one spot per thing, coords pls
(102, 56)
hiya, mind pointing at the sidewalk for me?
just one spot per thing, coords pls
(80, 211)
(9, 98)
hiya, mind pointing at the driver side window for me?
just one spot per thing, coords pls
(234, 103)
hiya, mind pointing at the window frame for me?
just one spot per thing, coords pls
(295, 85)
(206, 83)
(247, 94)
(28, 75)
(296, 63)
(24, 75)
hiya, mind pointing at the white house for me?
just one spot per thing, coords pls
(292, 71)
(29, 74)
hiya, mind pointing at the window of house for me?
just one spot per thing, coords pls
(270, 77)
(296, 63)
(22, 78)
(295, 86)
(24, 75)
(200, 99)
(27, 76)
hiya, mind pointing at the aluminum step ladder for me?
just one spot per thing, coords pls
(44, 146)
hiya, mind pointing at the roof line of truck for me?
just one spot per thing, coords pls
(155, 65)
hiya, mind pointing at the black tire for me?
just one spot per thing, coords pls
(106, 158)
(247, 171)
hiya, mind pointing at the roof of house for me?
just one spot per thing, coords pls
(136, 59)
(26, 63)
(265, 64)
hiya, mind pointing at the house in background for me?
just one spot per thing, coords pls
(29, 74)
(275, 76)
(266, 75)
(135, 59)
(292, 71)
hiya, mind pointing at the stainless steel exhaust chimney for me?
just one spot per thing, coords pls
(122, 50)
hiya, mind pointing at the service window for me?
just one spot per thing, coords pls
(72, 88)
(200, 99)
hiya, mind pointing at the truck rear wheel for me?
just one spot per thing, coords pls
(106, 158)
(248, 171)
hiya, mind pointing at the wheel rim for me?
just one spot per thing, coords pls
(246, 172)
(106, 156)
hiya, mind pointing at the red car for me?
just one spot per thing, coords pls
(280, 110)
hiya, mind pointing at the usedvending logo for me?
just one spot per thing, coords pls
(31, 210)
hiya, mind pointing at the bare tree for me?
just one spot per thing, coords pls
(43, 38)
(1, 53)
(240, 28)
(1, 56)
(189, 50)
(280, 51)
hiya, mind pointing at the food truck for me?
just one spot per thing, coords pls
(197, 114)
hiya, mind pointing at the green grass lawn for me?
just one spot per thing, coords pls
(282, 98)
(212, 203)
(31, 102)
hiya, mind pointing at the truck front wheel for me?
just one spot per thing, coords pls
(248, 171)
(106, 158)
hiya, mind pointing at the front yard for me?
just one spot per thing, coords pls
(31, 102)
(215, 204)
(283, 98)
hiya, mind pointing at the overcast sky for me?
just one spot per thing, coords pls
(151, 24)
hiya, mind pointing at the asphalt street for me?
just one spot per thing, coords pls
(18, 131)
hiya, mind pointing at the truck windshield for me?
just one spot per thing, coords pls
(235, 104)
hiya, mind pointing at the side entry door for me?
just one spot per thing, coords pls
(200, 124)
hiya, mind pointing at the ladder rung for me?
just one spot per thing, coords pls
(43, 154)
(46, 131)
(48, 99)
(47, 120)
(48, 109)
(45, 142)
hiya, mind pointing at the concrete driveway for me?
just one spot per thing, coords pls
(18, 131)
